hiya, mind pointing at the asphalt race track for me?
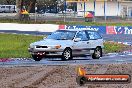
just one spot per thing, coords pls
(111, 58)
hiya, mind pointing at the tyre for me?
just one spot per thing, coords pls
(67, 54)
(36, 57)
(81, 80)
(97, 53)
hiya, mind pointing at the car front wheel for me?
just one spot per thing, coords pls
(67, 54)
(36, 57)
(97, 53)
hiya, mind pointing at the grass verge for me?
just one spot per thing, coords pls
(13, 45)
(16, 46)
(114, 47)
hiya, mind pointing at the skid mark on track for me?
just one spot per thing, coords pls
(59, 76)
(38, 82)
(9, 82)
(34, 79)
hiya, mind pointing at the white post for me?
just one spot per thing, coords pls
(94, 9)
(105, 9)
(84, 9)
(65, 6)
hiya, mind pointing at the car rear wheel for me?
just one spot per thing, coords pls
(37, 57)
(97, 53)
(67, 54)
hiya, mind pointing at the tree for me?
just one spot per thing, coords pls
(5, 2)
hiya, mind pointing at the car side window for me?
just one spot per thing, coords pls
(7, 6)
(3, 7)
(93, 35)
(82, 35)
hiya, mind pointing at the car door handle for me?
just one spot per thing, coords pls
(87, 42)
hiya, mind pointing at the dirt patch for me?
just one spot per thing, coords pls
(58, 76)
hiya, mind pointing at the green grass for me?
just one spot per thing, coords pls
(16, 46)
(66, 23)
(114, 47)
(12, 45)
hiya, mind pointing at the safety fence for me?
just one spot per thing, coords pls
(101, 29)
(44, 28)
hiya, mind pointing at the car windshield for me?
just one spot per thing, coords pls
(62, 35)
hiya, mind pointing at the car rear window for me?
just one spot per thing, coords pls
(93, 35)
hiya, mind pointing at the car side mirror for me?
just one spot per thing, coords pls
(77, 39)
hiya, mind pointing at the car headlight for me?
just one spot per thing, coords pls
(31, 46)
(58, 46)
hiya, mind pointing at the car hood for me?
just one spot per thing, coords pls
(51, 42)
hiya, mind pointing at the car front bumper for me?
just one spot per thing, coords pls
(45, 52)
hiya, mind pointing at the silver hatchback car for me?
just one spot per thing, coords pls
(67, 44)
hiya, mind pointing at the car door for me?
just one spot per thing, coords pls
(94, 39)
(2, 8)
(81, 47)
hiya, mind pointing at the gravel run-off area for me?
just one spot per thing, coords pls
(58, 76)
